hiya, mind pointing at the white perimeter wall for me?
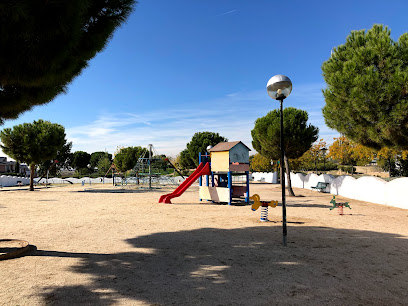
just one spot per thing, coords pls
(267, 177)
(367, 188)
(85, 180)
(8, 181)
(98, 180)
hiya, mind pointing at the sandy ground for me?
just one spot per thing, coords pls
(100, 247)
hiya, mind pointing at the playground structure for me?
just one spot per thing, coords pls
(339, 205)
(226, 171)
(146, 173)
(115, 173)
(258, 203)
(202, 169)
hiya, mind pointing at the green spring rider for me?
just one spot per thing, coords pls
(339, 205)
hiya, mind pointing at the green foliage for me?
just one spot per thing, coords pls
(33, 143)
(63, 157)
(126, 158)
(367, 89)
(259, 163)
(160, 164)
(96, 156)
(46, 44)
(306, 164)
(395, 162)
(388, 165)
(402, 167)
(298, 136)
(314, 159)
(80, 161)
(104, 164)
(327, 166)
(200, 142)
(348, 169)
(184, 160)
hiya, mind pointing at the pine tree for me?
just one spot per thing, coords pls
(126, 158)
(46, 44)
(33, 143)
(298, 136)
(199, 143)
(367, 89)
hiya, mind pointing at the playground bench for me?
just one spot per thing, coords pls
(321, 186)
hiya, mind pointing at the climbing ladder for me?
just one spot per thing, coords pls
(146, 171)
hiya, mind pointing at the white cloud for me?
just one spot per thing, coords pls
(226, 13)
(169, 130)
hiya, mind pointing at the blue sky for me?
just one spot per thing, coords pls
(180, 67)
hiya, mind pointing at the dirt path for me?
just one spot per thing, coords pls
(109, 248)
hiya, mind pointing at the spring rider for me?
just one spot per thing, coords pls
(339, 205)
(264, 211)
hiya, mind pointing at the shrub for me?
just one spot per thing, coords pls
(348, 169)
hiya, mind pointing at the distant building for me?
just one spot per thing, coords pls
(6, 166)
(10, 167)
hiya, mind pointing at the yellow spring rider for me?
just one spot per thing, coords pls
(258, 203)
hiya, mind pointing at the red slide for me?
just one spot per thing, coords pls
(201, 170)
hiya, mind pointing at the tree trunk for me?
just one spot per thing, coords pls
(290, 190)
(280, 174)
(32, 167)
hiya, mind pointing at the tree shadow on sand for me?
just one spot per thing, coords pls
(247, 266)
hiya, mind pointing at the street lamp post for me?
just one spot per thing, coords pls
(89, 170)
(279, 88)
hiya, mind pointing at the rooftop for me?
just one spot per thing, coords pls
(226, 146)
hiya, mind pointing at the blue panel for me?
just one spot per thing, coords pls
(239, 154)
